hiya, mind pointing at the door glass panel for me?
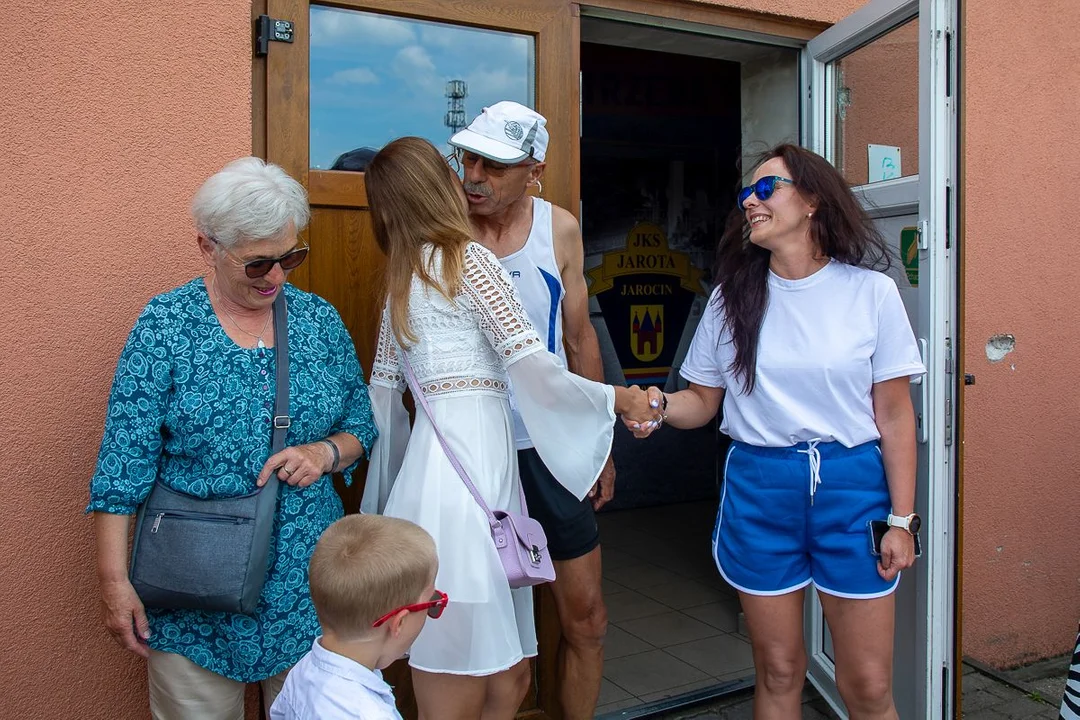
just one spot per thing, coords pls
(378, 77)
(826, 643)
(875, 113)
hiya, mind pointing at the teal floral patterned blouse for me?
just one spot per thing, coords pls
(192, 408)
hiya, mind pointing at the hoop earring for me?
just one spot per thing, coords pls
(539, 188)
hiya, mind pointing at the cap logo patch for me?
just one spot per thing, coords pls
(513, 130)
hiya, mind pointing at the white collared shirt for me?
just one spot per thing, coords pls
(328, 686)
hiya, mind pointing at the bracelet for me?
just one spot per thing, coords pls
(663, 396)
(333, 448)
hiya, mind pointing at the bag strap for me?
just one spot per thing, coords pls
(281, 420)
(418, 395)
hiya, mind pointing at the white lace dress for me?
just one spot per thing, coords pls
(468, 351)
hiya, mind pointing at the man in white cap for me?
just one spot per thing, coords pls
(502, 154)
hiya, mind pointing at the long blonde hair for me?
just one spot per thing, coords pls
(414, 201)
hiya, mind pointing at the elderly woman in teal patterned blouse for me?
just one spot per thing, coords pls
(191, 404)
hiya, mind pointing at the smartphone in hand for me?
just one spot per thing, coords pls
(877, 529)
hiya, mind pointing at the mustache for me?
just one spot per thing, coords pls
(477, 189)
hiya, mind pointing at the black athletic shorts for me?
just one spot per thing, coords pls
(569, 523)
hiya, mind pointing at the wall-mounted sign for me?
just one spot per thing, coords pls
(884, 163)
(645, 292)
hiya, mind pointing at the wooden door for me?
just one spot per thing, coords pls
(345, 265)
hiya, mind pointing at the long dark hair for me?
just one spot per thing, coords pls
(839, 228)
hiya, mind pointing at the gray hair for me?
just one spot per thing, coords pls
(249, 199)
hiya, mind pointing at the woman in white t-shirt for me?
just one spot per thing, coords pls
(810, 351)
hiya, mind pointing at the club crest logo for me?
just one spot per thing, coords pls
(513, 130)
(647, 291)
(646, 331)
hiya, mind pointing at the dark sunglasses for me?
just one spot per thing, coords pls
(257, 268)
(434, 608)
(763, 188)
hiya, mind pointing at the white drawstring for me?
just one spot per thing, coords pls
(814, 455)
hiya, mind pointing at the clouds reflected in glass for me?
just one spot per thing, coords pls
(375, 78)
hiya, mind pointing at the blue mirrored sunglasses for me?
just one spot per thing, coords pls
(763, 188)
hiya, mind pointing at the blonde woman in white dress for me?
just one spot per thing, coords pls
(454, 310)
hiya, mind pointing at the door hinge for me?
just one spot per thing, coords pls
(269, 29)
(948, 422)
(948, 356)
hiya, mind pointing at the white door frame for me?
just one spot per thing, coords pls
(936, 571)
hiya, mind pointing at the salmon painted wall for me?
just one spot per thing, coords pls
(819, 10)
(1021, 98)
(112, 116)
(114, 111)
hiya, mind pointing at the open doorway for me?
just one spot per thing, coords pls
(666, 117)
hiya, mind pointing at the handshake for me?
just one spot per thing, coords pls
(642, 411)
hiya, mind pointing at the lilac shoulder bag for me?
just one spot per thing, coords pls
(519, 540)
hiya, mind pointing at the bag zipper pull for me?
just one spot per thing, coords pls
(157, 522)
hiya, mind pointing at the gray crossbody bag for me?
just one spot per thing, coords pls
(211, 554)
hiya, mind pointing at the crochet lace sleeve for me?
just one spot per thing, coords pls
(385, 370)
(499, 311)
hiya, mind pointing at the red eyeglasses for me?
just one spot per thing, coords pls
(434, 608)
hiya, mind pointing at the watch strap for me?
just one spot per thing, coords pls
(900, 521)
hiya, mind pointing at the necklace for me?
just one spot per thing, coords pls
(261, 345)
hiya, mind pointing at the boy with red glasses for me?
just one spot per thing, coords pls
(373, 586)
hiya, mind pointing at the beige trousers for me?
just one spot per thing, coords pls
(180, 689)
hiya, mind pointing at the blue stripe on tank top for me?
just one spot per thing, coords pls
(555, 288)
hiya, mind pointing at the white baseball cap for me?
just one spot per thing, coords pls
(506, 132)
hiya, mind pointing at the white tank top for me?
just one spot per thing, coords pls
(535, 272)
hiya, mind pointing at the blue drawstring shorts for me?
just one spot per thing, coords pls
(798, 515)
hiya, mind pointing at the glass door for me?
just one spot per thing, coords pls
(880, 108)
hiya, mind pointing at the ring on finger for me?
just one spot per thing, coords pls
(288, 471)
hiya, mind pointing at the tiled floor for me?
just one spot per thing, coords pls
(673, 627)
(673, 624)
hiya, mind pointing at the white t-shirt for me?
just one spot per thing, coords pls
(825, 340)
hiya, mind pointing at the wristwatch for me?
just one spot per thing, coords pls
(911, 522)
